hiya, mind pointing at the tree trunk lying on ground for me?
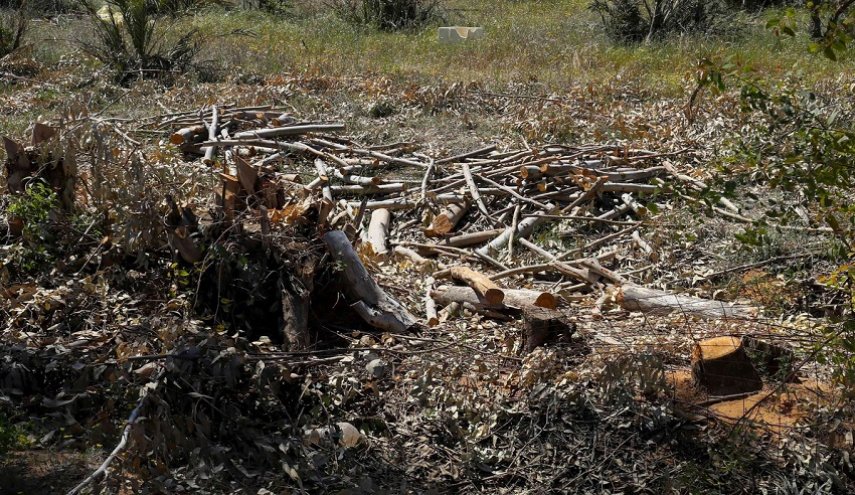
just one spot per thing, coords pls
(378, 230)
(372, 303)
(514, 298)
(635, 298)
(481, 283)
(446, 220)
(722, 367)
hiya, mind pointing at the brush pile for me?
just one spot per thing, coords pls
(459, 218)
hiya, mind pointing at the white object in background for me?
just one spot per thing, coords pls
(111, 14)
(458, 34)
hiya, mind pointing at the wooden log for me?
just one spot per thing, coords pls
(295, 316)
(389, 204)
(447, 219)
(326, 204)
(208, 159)
(476, 195)
(722, 367)
(463, 156)
(514, 298)
(188, 135)
(530, 172)
(523, 230)
(481, 283)
(471, 239)
(542, 326)
(634, 175)
(629, 187)
(359, 180)
(375, 306)
(430, 305)
(356, 189)
(635, 298)
(423, 264)
(378, 230)
(294, 130)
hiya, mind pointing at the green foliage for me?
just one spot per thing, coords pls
(633, 21)
(13, 26)
(34, 208)
(388, 15)
(136, 39)
(8, 435)
(804, 150)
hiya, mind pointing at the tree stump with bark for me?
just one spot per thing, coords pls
(543, 326)
(722, 367)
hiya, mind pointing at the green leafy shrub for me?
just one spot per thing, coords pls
(8, 435)
(136, 40)
(388, 15)
(13, 26)
(633, 21)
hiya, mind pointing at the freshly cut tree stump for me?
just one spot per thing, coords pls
(544, 325)
(722, 367)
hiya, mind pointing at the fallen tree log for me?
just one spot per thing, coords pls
(514, 298)
(481, 283)
(294, 130)
(378, 230)
(447, 219)
(188, 135)
(635, 298)
(372, 303)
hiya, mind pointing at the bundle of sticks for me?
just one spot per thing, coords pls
(458, 217)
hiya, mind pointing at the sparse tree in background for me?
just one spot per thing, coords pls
(389, 15)
(632, 21)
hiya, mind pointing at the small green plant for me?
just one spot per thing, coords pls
(34, 209)
(10, 436)
(137, 41)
